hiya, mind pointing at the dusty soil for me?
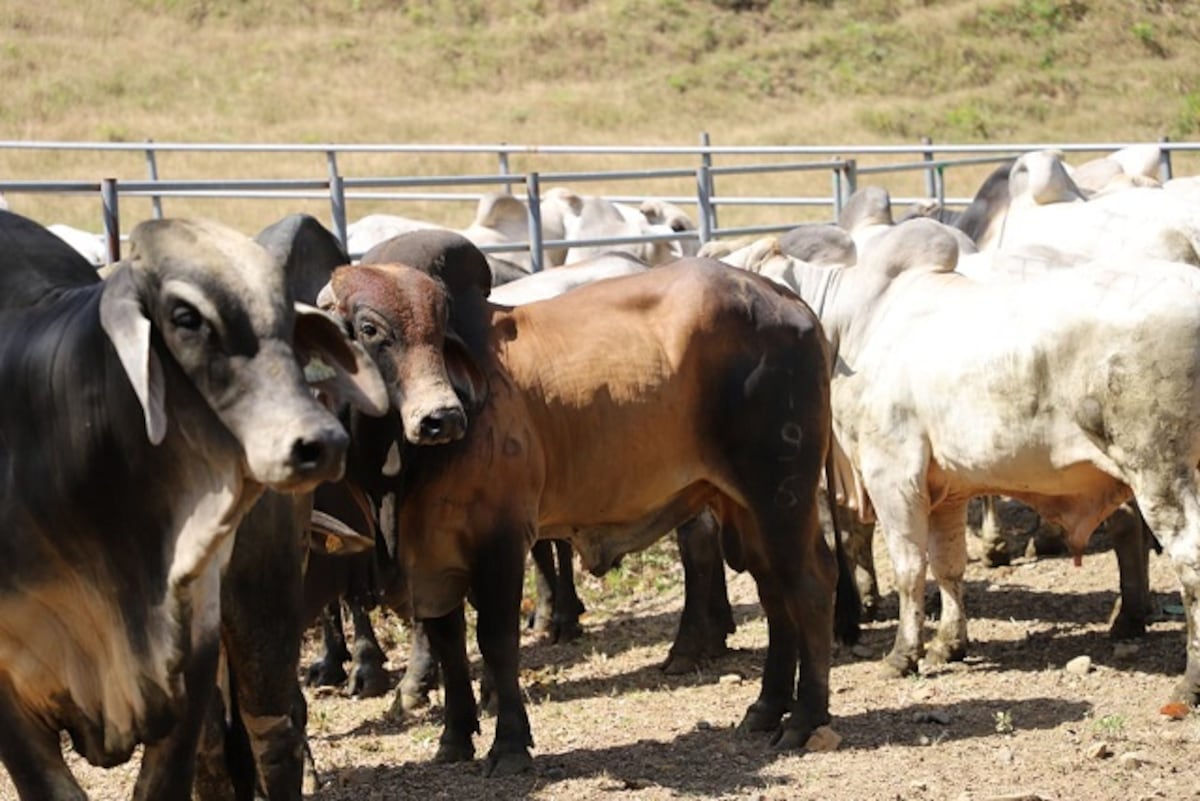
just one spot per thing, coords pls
(1009, 723)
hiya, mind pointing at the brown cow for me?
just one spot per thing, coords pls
(608, 415)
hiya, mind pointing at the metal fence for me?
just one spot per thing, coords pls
(844, 165)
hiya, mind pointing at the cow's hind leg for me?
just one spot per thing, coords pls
(707, 618)
(448, 643)
(948, 560)
(1172, 510)
(496, 584)
(903, 517)
(1132, 541)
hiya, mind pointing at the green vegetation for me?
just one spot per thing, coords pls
(576, 71)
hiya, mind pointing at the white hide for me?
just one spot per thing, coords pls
(1064, 390)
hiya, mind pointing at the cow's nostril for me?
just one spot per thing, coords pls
(307, 454)
(442, 425)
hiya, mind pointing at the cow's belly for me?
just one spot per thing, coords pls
(67, 654)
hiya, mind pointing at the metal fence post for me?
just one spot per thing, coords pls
(704, 203)
(112, 219)
(534, 197)
(1164, 160)
(503, 154)
(152, 169)
(337, 200)
(845, 184)
(709, 191)
(931, 175)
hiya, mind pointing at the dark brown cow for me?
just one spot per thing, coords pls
(609, 415)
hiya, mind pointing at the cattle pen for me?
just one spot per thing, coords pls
(735, 191)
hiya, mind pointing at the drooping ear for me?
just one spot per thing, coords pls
(128, 328)
(330, 536)
(465, 373)
(337, 365)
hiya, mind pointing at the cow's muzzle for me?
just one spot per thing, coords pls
(440, 426)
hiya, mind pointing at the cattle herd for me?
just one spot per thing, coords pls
(214, 442)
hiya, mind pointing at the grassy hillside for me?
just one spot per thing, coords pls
(573, 71)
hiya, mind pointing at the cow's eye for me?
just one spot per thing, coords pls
(368, 329)
(184, 315)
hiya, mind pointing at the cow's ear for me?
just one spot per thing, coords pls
(332, 537)
(335, 364)
(128, 328)
(466, 376)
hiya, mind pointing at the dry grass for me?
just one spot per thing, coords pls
(569, 71)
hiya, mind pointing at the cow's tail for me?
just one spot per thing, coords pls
(847, 606)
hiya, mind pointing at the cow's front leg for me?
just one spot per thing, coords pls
(497, 583)
(329, 670)
(32, 754)
(368, 677)
(168, 766)
(420, 676)
(948, 559)
(448, 643)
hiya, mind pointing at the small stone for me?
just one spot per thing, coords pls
(1134, 759)
(1079, 666)
(1124, 650)
(918, 785)
(703, 725)
(923, 740)
(824, 738)
(1098, 751)
(555, 773)
(862, 651)
(1005, 755)
(730, 678)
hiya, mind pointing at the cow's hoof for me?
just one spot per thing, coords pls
(680, 664)
(406, 704)
(760, 717)
(941, 652)
(454, 751)
(789, 738)
(369, 681)
(326, 673)
(508, 763)
(564, 631)
(896, 666)
(1126, 625)
(996, 554)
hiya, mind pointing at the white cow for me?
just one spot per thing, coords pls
(1072, 392)
(1048, 209)
(91, 246)
(587, 217)
(552, 283)
(367, 232)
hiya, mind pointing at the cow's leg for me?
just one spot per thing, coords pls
(368, 678)
(329, 670)
(995, 547)
(496, 585)
(857, 539)
(1131, 541)
(948, 560)
(1172, 510)
(420, 676)
(32, 755)
(447, 638)
(707, 617)
(546, 577)
(903, 515)
(168, 766)
(567, 606)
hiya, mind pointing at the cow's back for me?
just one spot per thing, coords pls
(626, 375)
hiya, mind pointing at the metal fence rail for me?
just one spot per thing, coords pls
(840, 162)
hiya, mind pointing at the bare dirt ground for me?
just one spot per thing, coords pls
(1010, 723)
